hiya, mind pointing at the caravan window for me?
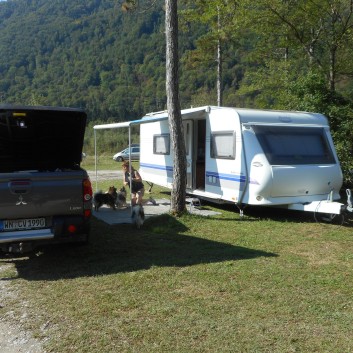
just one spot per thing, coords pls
(223, 145)
(161, 144)
(294, 145)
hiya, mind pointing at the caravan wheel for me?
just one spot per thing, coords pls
(329, 218)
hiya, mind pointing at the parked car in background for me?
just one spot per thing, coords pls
(124, 154)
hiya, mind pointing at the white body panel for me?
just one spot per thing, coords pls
(248, 177)
(156, 168)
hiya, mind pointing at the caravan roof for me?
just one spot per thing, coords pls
(245, 116)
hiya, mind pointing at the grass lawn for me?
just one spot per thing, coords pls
(274, 281)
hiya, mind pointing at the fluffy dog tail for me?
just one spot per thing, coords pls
(138, 216)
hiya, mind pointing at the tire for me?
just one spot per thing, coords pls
(119, 159)
(337, 219)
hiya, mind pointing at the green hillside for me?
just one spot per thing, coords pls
(83, 53)
(89, 54)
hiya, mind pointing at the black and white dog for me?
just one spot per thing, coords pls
(108, 198)
(138, 216)
(121, 198)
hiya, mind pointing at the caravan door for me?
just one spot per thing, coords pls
(188, 136)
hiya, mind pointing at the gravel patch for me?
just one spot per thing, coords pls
(106, 175)
(13, 337)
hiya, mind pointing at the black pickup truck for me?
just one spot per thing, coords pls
(45, 196)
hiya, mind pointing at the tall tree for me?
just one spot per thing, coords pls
(173, 102)
(220, 16)
(322, 30)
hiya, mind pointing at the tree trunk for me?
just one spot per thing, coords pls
(219, 74)
(219, 64)
(332, 71)
(173, 104)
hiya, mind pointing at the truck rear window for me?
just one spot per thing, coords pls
(40, 139)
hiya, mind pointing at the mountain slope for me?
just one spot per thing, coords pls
(83, 53)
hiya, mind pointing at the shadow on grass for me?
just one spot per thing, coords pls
(256, 213)
(279, 214)
(121, 248)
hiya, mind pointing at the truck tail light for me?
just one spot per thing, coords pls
(72, 228)
(87, 190)
(87, 197)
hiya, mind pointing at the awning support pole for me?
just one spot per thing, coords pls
(95, 158)
(130, 168)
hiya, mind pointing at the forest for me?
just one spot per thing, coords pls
(272, 54)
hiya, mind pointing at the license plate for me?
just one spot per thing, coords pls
(20, 224)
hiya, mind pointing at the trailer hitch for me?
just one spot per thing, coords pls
(19, 248)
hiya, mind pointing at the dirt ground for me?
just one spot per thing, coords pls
(13, 337)
(14, 340)
(106, 175)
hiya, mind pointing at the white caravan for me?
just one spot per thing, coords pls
(247, 157)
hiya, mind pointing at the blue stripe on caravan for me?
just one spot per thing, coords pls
(155, 166)
(238, 178)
